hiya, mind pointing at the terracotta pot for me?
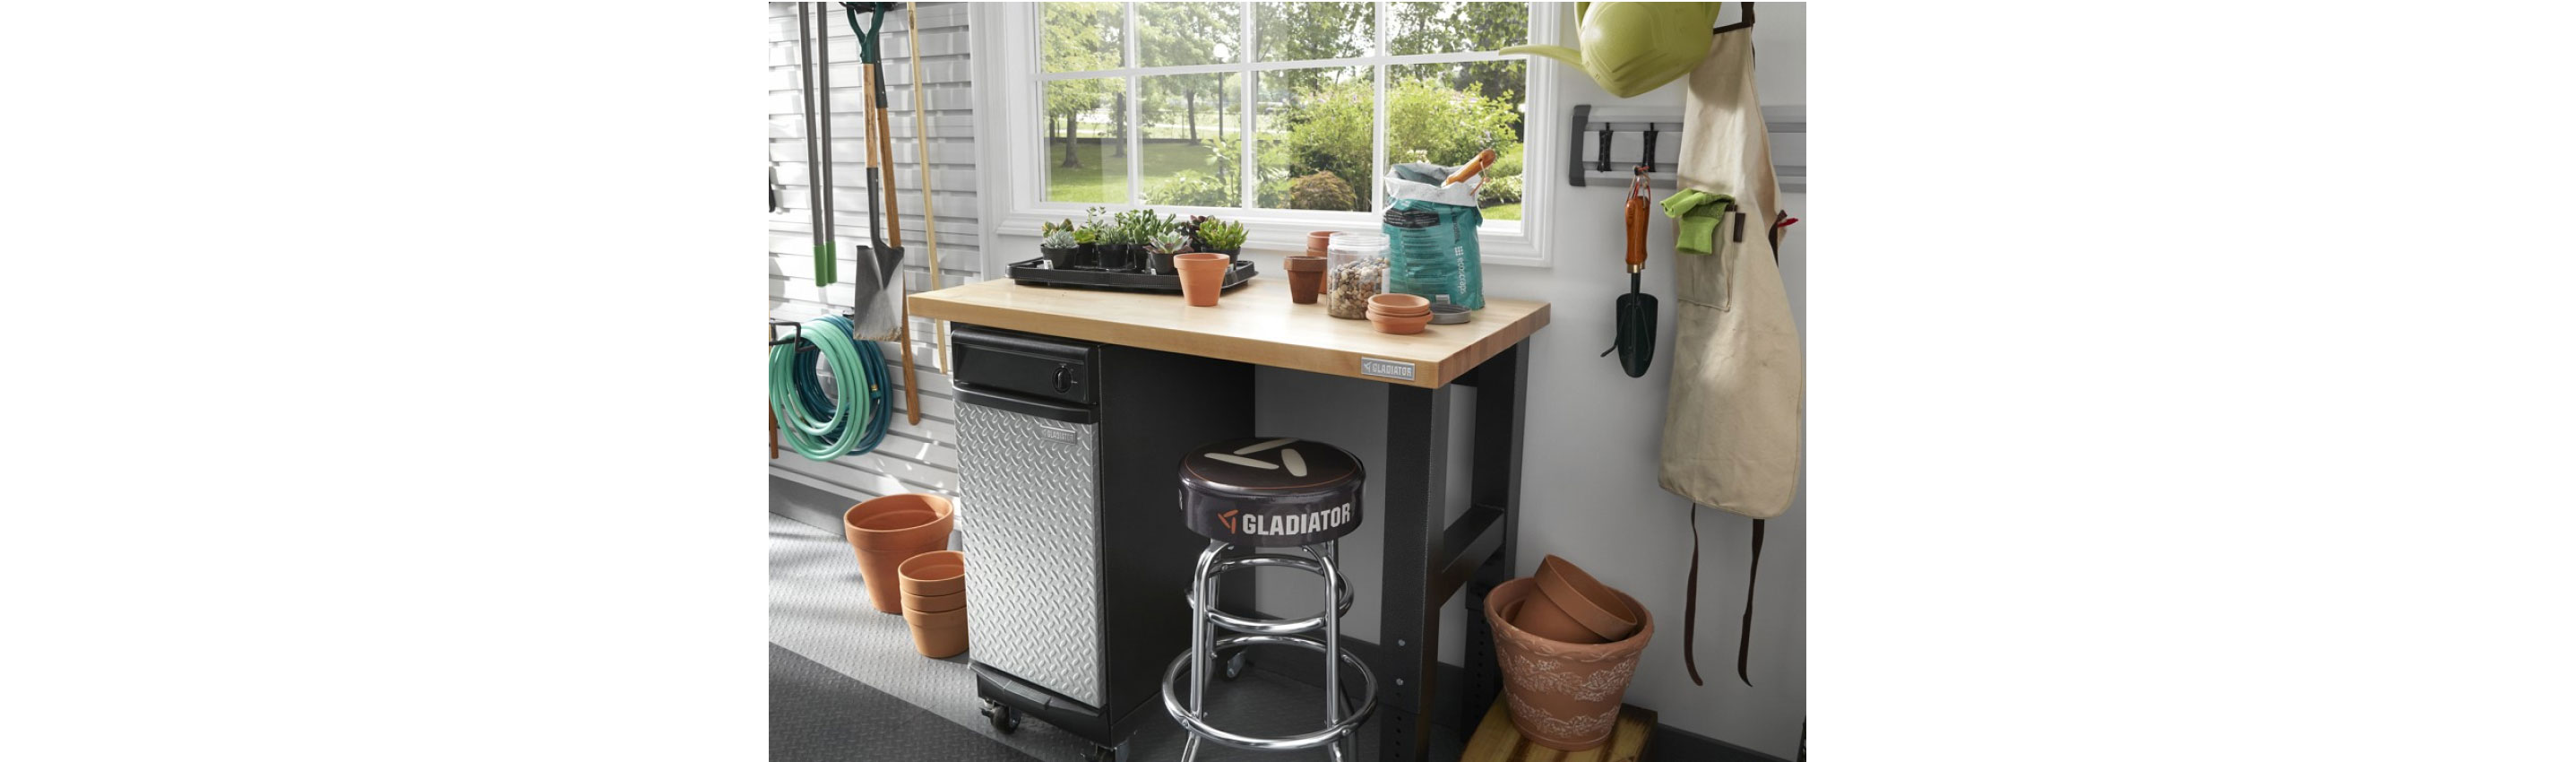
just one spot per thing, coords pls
(938, 635)
(1398, 324)
(1319, 241)
(1585, 599)
(1202, 277)
(887, 531)
(1562, 696)
(1305, 278)
(1400, 305)
(934, 603)
(1543, 618)
(939, 572)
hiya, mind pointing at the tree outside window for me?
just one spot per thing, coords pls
(1308, 73)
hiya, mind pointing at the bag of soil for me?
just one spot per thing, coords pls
(1431, 235)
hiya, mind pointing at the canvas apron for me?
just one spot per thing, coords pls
(1731, 426)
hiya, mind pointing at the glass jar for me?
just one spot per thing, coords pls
(1354, 270)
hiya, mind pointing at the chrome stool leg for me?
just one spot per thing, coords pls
(1201, 651)
(1332, 641)
(1206, 647)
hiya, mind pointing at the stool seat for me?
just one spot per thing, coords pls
(1271, 491)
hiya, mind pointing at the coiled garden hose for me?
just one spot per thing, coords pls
(819, 423)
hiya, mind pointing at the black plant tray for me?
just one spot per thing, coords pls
(1034, 272)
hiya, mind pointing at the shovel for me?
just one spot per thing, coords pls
(1635, 341)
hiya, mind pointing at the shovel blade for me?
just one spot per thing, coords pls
(1636, 339)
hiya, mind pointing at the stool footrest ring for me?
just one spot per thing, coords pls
(1258, 626)
(1180, 711)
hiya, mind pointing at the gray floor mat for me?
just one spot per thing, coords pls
(819, 610)
(818, 715)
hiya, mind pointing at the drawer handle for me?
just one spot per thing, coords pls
(1061, 432)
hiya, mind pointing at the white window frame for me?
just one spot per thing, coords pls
(1010, 98)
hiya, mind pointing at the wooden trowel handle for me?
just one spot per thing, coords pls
(1636, 233)
(1483, 159)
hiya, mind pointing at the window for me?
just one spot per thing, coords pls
(1285, 113)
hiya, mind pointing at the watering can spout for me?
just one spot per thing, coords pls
(1559, 52)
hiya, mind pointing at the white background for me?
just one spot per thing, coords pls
(2180, 383)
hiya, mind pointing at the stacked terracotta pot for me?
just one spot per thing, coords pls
(1399, 313)
(1568, 646)
(904, 560)
(890, 530)
(934, 602)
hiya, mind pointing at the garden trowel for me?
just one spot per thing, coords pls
(1635, 341)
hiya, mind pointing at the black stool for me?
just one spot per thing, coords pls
(1269, 493)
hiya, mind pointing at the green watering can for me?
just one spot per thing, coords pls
(1631, 48)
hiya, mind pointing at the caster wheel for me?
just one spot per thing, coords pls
(1106, 754)
(1235, 665)
(1003, 717)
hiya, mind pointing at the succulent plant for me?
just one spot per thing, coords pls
(1221, 235)
(1170, 242)
(1058, 239)
(1093, 230)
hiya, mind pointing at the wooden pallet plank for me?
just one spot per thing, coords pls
(1496, 740)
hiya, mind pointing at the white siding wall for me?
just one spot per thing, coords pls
(913, 458)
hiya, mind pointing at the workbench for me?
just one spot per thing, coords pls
(1427, 561)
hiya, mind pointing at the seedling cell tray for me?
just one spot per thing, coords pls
(1034, 272)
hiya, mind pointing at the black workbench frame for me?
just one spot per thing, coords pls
(1428, 561)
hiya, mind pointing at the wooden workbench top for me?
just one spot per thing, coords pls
(1254, 323)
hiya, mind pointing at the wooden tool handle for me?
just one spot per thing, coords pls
(1483, 159)
(883, 140)
(1636, 232)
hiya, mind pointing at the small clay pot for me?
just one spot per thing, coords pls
(1544, 619)
(1319, 242)
(1400, 305)
(1562, 696)
(890, 530)
(1202, 277)
(1398, 324)
(934, 603)
(937, 634)
(941, 572)
(1585, 599)
(1305, 278)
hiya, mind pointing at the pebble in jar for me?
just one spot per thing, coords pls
(1355, 269)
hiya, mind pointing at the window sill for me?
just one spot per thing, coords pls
(1275, 235)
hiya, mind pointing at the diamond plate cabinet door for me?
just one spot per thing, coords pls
(1032, 560)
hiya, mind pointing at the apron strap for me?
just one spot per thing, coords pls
(1747, 23)
(1690, 607)
(1744, 641)
(1690, 602)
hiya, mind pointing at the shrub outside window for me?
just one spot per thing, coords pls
(1152, 103)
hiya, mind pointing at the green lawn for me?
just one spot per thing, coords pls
(1105, 182)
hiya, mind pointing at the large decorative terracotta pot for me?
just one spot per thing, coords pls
(890, 530)
(1563, 696)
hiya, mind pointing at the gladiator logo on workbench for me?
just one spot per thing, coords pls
(1395, 369)
(1294, 523)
